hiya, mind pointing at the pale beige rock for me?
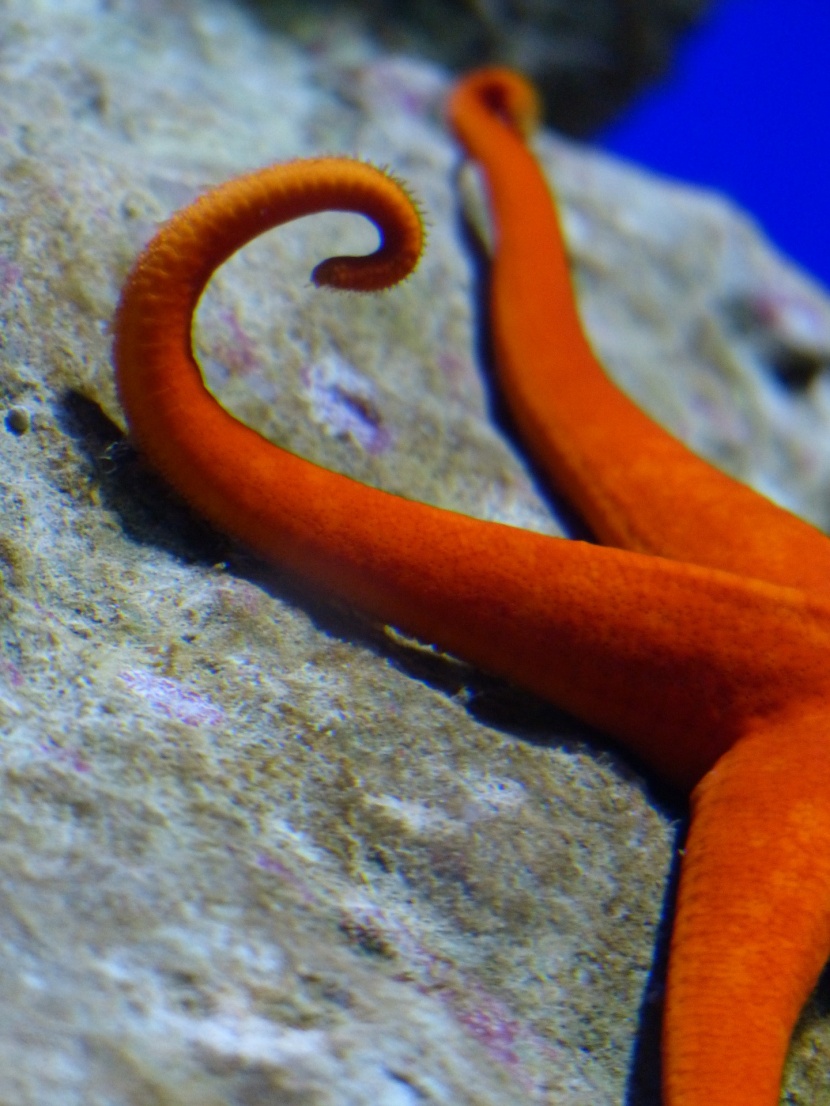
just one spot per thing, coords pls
(255, 851)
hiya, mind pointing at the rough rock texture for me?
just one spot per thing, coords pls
(588, 57)
(253, 850)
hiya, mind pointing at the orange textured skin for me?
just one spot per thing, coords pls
(636, 486)
(710, 660)
(752, 926)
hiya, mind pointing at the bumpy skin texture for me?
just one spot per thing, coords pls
(699, 636)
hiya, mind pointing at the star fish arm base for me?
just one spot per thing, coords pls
(635, 485)
(746, 960)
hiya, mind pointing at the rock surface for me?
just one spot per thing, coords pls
(254, 850)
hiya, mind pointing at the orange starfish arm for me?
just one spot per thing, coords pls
(752, 930)
(550, 614)
(636, 486)
(680, 662)
(752, 921)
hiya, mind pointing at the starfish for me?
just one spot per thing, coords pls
(697, 635)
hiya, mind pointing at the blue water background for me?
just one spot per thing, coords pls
(747, 111)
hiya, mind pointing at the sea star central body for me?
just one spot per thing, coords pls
(698, 635)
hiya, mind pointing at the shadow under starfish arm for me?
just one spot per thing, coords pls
(688, 666)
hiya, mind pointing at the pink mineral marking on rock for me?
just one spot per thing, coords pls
(232, 348)
(395, 81)
(343, 403)
(493, 1025)
(238, 596)
(277, 868)
(65, 754)
(488, 1019)
(792, 318)
(172, 699)
(459, 372)
(12, 673)
(10, 274)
